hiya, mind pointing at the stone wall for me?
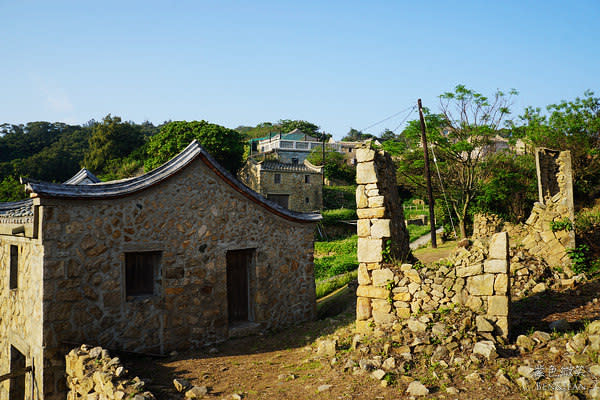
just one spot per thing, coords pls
(93, 374)
(382, 233)
(485, 225)
(193, 219)
(303, 196)
(21, 311)
(555, 206)
(479, 280)
(389, 291)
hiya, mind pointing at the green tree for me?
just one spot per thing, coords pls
(354, 135)
(574, 126)
(112, 139)
(224, 144)
(461, 137)
(11, 190)
(334, 167)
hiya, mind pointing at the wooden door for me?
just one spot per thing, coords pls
(238, 264)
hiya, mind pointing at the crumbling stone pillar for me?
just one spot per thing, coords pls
(488, 287)
(555, 187)
(382, 234)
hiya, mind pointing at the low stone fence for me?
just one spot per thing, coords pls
(479, 280)
(485, 225)
(93, 374)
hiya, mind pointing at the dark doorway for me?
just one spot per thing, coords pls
(17, 366)
(238, 268)
(281, 199)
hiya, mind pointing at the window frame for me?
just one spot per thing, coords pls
(137, 263)
(277, 178)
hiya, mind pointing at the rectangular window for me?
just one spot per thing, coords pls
(306, 178)
(281, 199)
(141, 272)
(277, 178)
(14, 266)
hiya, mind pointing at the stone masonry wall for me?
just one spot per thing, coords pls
(555, 205)
(21, 311)
(388, 292)
(93, 374)
(479, 280)
(381, 229)
(193, 219)
(294, 185)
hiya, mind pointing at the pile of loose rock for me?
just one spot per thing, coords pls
(93, 374)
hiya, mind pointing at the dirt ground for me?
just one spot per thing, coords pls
(284, 364)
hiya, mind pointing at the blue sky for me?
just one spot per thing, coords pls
(338, 64)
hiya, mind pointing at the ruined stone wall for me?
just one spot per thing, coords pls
(382, 233)
(555, 206)
(21, 311)
(93, 373)
(485, 225)
(479, 280)
(388, 291)
(193, 219)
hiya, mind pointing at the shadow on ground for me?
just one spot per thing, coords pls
(537, 311)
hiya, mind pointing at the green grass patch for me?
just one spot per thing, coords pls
(408, 213)
(336, 247)
(416, 231)
(327, 286)
(331, 217)
(339, 197)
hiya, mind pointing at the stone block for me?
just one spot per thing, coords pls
(382, 317)
(363, 227)
(380, 228)
(502, 326)
(474, 303)
(402, 296)
(547, 236)
(381, 305)
(364, 213)
(501, 284)
(365, 173)
(413, 275)
(496, 266)
(372, 292)
(364, 155)
(382, 276)
(499, 246)
(481, 285)
(361, 197)
(471, 270)
(363, 308)
(369, 250)
(376, 201)
(364, 327)
(403, 313)
(498, 305)
(363, 275)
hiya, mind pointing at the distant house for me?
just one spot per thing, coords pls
(297, 186)
(182, 256)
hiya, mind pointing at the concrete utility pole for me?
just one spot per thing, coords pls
(427, 176)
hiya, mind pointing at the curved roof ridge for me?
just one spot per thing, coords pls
(81, 176)
(125, 187)
(312, 166)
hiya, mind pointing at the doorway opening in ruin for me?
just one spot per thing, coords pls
(17, 369)
(239, 264)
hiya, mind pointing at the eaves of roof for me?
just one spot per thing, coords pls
(126, 187)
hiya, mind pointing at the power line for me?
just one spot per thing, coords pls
(388, 118)
(405, 118)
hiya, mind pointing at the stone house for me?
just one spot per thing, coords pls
(298, 187)
(182, 256)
